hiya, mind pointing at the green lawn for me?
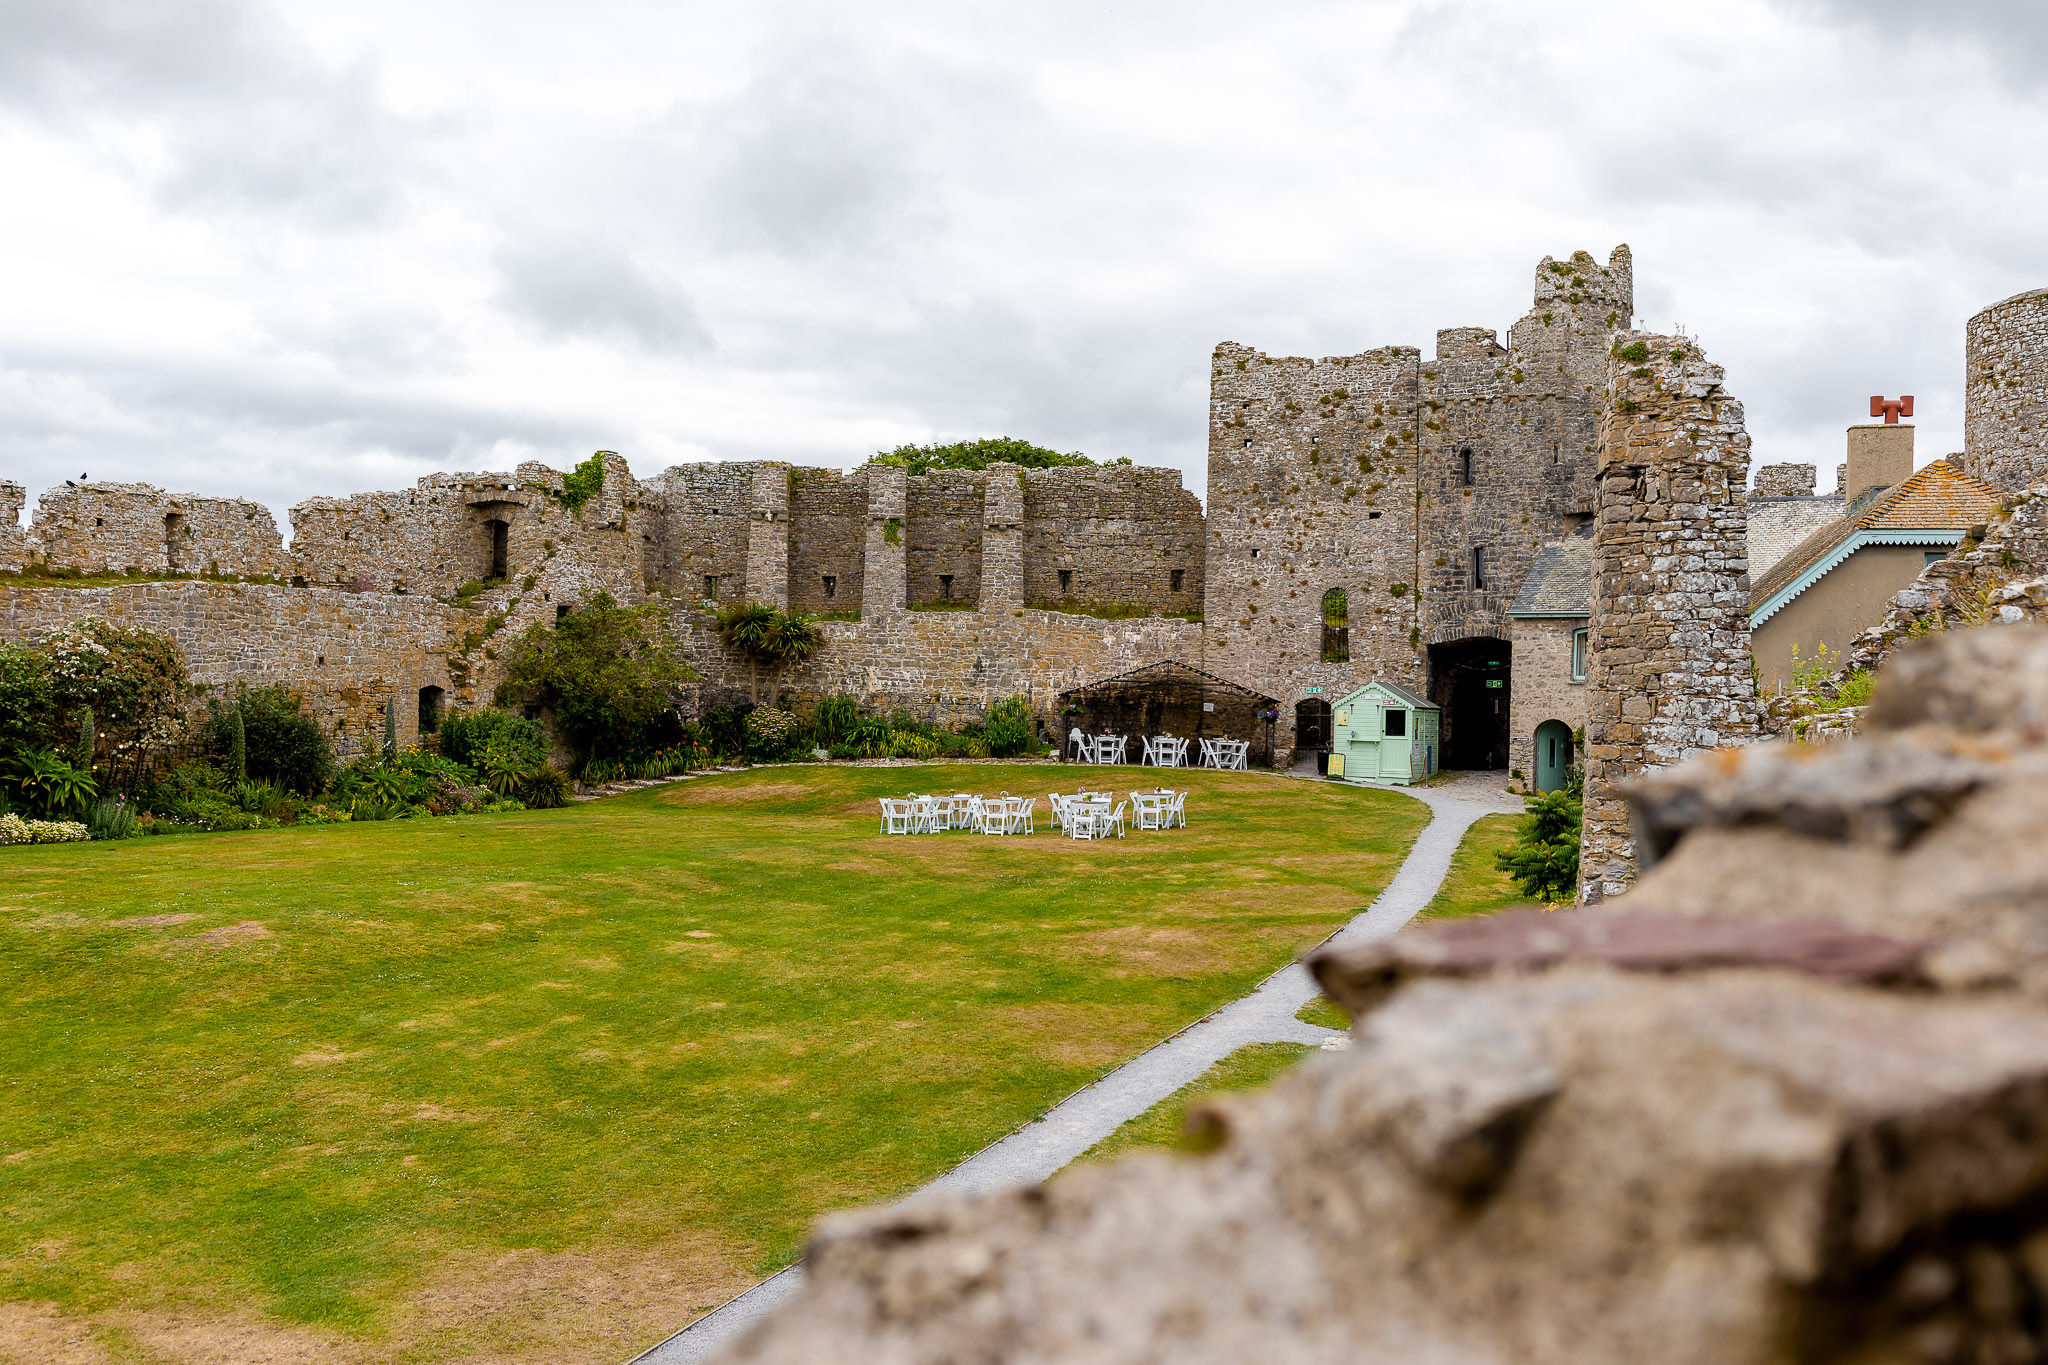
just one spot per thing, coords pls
(1475, 886)
(1161, 1127)
(542, 1086)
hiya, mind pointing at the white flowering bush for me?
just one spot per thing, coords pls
(15, 830)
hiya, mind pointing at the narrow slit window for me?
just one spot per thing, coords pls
(1066, 582)
(945, 587)
(1179, 578)
(1478, 566)
(831, 586)
(710, 587)
(1465, 463)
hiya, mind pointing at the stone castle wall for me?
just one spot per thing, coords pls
(942, 535)
(703, 537)
(13, 540)
(119, 527)
(1311, 488)
(1670, 673)
(2005, 393)
(345, 653)
(1121, 533)
(827, 516)
(1784, 481)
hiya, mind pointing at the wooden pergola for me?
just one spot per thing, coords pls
(1169, 698)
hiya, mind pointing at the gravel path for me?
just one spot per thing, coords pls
(1075, 1124)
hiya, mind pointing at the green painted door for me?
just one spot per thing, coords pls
(1553, 755)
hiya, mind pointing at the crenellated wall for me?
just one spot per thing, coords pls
(1119, 532)
(828, 514)
(942, 536)
(124, 527)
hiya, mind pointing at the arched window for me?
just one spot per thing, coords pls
(1465, 463)
(1336, 627)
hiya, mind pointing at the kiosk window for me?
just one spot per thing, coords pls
(1397, 724)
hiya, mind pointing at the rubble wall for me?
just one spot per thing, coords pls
(119, 527)
(1669, 673)
(1783, 481)
(827, 511)
(703, 530)
(2005, 393)
(344, 653)
(942, 516)
(1528, 415)
(1311, 487)
(1120, 531)
(13, 539)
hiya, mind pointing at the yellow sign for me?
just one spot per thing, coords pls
(1343, 717)
(1336, 765)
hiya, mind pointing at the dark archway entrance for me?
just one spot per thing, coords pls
(501, 536)
(1469, 679)
(1312, 724)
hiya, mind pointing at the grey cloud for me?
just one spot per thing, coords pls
(826, 149)
(581, 287)
(250, 121)
(2012, 34)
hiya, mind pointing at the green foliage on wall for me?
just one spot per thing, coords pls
(980, 455)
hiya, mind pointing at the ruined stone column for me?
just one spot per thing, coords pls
(13, 540)
(884, 571)
(1669, 673)
(768, 536)
(1002, 539)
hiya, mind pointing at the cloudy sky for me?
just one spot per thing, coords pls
(279, 248)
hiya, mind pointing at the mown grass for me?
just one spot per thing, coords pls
(1164, 1125)
(1475, 886)
(542, 1086)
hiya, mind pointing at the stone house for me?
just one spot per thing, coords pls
(1549, 620)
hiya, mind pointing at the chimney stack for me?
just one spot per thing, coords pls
(1880, 457)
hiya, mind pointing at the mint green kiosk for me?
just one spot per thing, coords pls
(1384, 733)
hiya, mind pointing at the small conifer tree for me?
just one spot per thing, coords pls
(88, 740)
(238, 747)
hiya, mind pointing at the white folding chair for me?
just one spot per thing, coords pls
(1208, 752)
(1177, 811)
(1180, 753)
(896, 816)
(1080, 821)
(1149, 809)
(1020, 815)
(995, 815)
(1114, 821)
(1117, 745)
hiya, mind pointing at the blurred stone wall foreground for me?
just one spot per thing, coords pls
(1785, 1101)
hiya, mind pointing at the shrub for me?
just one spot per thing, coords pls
(1011, 728)
(545, 788)
(834, 720)
(133, 680)
(281, 744)
(1544, 859)
(774, 735)
(609, 673)
(980, 454)
(111, 819)
(466, 736)
(28, 707)
(725, 729)
(910, 744)
(844, 751)
(47, 785)
(15, 830)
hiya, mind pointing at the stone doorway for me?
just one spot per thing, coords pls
(1553, 755)
(1470, 679)
(1312, 724)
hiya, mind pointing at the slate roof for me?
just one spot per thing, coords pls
(1776, 525)
(1167, 673)
(1560, 582)
(1938, 498)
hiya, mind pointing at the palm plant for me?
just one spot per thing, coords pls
(748, 627)
(792, 638)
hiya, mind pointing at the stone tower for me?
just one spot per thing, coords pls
(2005, 393)
(1669, 671)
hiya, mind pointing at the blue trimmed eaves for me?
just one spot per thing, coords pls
(1827, 563)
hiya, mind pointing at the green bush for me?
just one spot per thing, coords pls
(1011, 728)
(28, 705)
(48, 786)
(610, 674)
(281, 744)
(835, 719)
(466, 736)
(111, 819)
(546, 788)
(775, 735)
(1544, 859)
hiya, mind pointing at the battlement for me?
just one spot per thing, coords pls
(136, 527)
(13, 540)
